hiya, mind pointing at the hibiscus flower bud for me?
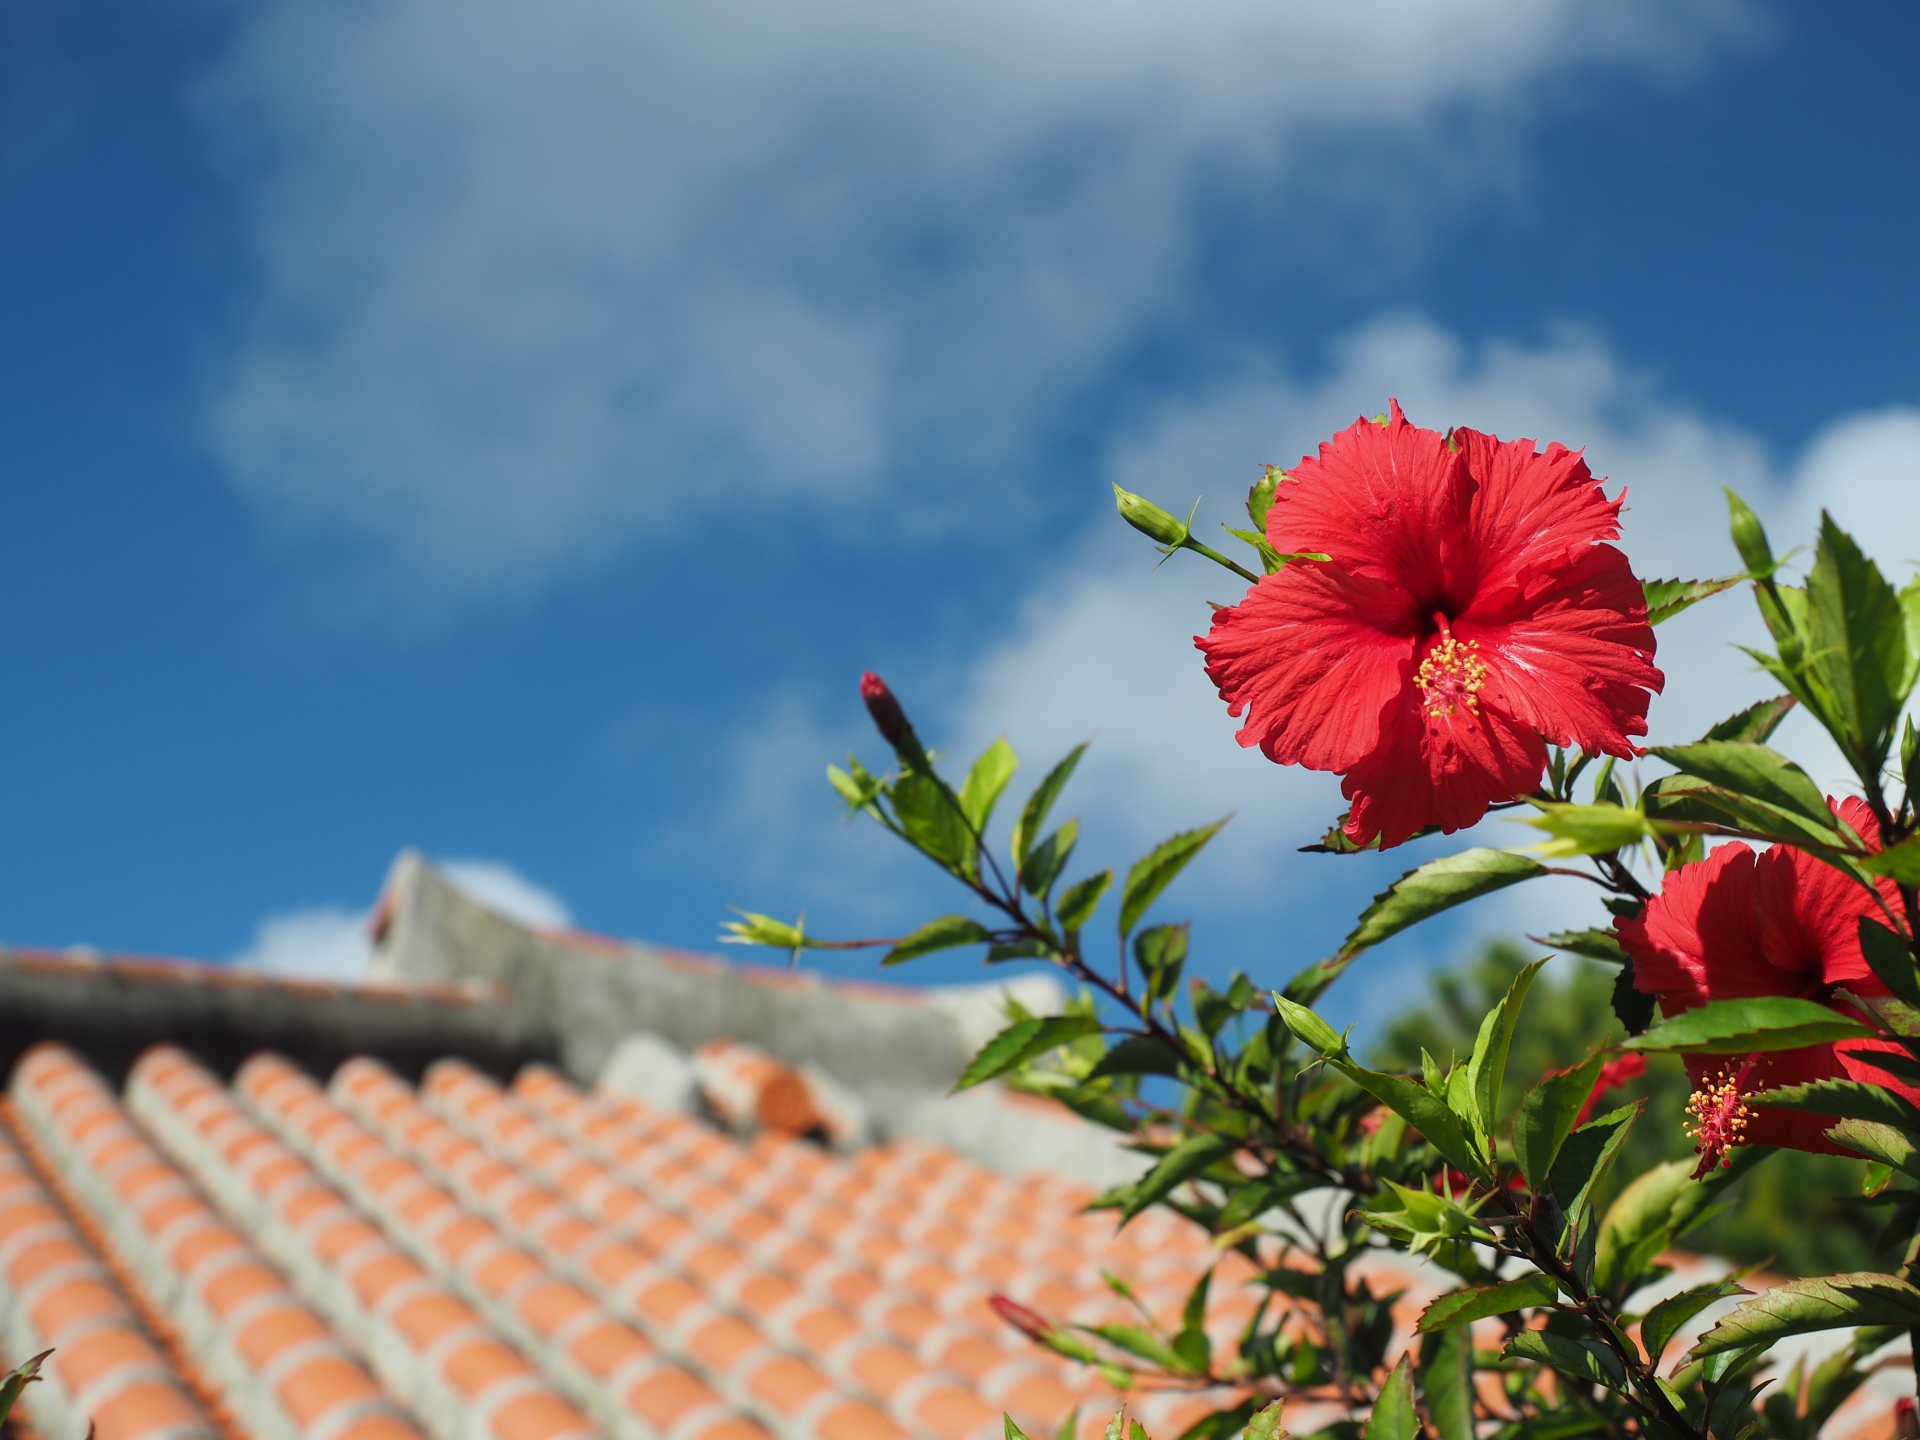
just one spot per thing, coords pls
(1029, 1323)
(1149, 519)
(889, 719)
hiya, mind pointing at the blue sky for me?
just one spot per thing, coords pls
(510, 431)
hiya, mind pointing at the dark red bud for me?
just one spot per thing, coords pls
(1029, 1323)
(888, 717)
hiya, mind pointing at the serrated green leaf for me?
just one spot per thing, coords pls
(1463, 1307)
(1857, 648)
(1845, 1100)
(980, 792)
(1755, 1023)
(942, 934)
(1586, 1156)
(1156, 870)
(1179, 1165)
(1667, 598)
(1022, 1041)
(1081, 899)
(1586, 1360)
(1046, 860)
(1602, 945)
(1664, 1320)
(1488, 1064)
(1436, 886)
(1394, 1417)
(1033, 815)
(1757, 772)
(1878, 1142)
(1546, 1118)
(1426, 1112)
(1801, 1307)
(1265, 1424)
(1755, 724)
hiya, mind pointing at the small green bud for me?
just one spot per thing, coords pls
(1149, 519)
(1749, 536)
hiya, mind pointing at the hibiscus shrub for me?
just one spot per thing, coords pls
(1442, 620)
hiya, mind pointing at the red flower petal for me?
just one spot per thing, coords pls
(1471, 612)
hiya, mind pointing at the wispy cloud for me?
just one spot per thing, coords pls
(538, 283)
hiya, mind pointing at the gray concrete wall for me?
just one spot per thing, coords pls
(593, 993)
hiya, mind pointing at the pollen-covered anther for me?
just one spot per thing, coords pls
(1719, 1116)
(1451, 676)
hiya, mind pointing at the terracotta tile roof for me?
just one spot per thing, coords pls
(465, 1261)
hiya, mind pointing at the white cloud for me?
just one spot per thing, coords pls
(537, 282)
(503, 889)
(322, 942)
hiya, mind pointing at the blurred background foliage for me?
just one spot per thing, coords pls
(1801, 1213)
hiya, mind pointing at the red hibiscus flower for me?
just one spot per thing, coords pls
(1741, 924)
(1471, 612)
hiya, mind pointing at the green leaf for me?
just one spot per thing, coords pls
(755, 929)
(1757, 1023)
(1191, 1344)
(1436, 886)
(1022, 1041)
(1899, 863)
(1589, 829)
(1857, 639)
(1489, 1060)
(1667, 598)
(1845, 1100)
(931, 819)
(1888, 957)
(1046, 860)
(1077, 905)
(1179, 1165)
(989, 776)
(1009, 1430)
(1877, 1141)
(1137, 1055)
(1463, 1307)
(1755, 724)
(1259, 502)
(1801, 1307)
(859, 789)
(942, 934)
(1394, 1417)
(1589, 1152)
(1426, 1112)
(1644, 1220)
(1156, 870)
(17, 1379)
(1586, 1360)
(1446, 1380)
(1265, 1424)
(1033, 815)
(1161, 953)
(1546, 1118)
(1631, 1005)
(1594, 944)
(1664, 1320)
(1758, 773)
